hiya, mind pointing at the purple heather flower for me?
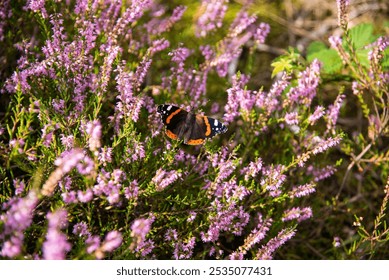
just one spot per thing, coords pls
(356, 87)
(211, 17)
(273, 178)
(128, 104)
(133, 13)
(12, 247)
(271, 101)
(241, 22)
(132, 191)
(291, 118)
(163, 179)
(302, 190)
(93, 129)
(93, 243)
(157, 26)
(333, 111)
(308, 82)
(58, 105)
(261, 33)
(184, 250)
(16, 219)
(297, 213)
(145, 247)
(81, 7)
(321, 174)
(109, 184)
(252, 169)
(229, 218)
(136, 152)
(18, 144)
(236, 256)
(159, 45)
(66, 162)
(86, 166)
(139, 230)
(266, 252)
(69, 159)
(114, 196)
(105, 155)
(37, 6)
(56, 244)
(192, 216)
(335, 42)
(85, 196)
(141, 227)
(179, 55)
(256, 235)
(65, 183)
(171, 234)
(112, 241)
(317, 114)
(376, 54)
(226, 168)
(81, 229)
(324, 145)
(337, 242)
(305, 214)
(234, 94)
(69, 197)
(207, 52)
(67, 141)
(47, 135)
(231, 189)
(5, 12)
(19, 186)
(141, 71)
(342, 12)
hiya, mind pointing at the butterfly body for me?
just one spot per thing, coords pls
(193, 129)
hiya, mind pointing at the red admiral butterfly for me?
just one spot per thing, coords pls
(188, 126)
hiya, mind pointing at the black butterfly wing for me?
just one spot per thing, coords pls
(205, 127)
(174, 118)
(215, 127)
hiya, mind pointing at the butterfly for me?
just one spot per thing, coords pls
(192, 128)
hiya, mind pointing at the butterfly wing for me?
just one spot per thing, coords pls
(174, 118)
(205, 127)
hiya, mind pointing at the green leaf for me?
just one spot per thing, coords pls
(315, 47)
(285, 62)
(362, 57)
(362, 35)
(332, 63)
(280, 65)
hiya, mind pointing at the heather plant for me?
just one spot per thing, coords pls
(360, 59)
(87, 172)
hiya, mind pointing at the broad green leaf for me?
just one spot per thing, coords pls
(315, 47)
(362, 57)
(330, 59)
(362, 35)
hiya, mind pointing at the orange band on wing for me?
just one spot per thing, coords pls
(195, 142)
(172, 115)
(208, 131)
(171, 135)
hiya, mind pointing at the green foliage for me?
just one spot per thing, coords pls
(332, 63)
